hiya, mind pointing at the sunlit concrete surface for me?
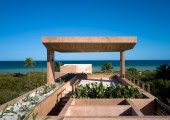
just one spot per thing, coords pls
(106, 81)
(76, 68)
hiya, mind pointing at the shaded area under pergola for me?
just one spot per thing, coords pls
(86, 44)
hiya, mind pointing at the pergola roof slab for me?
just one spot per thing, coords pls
(89, 44)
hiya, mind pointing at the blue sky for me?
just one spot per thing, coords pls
(24, 22)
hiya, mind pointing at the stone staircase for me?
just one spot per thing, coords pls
(66, 96)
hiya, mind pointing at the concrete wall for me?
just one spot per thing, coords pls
(59, 74)
(76, 68)
(146, 106)
(100, 108)
(99, 76)
(97, 102)
(49, 103)
(97, 111)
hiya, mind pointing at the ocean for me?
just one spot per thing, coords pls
(141, 65)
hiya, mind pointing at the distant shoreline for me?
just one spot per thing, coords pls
(141, 65)
(78, 60)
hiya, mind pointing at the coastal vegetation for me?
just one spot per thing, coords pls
(95, 90)
(29, 62)
(14, 85)
(57, 66)
(107, 68)
(158, 79)
(25, 106)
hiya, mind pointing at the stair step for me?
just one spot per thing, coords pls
(63, 103)
(65, 99)
(67, 95)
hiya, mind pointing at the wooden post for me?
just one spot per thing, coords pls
(143, 86)
(50, 67)
(133, 81)
(148, 88)
(138, 83)
(122, 64)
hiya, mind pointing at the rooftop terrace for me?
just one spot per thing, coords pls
(59, 101)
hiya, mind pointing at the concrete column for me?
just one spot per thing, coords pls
(122, 64)
(50, 67)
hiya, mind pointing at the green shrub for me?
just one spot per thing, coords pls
(82, 91)
(161, 89)
(100, 91)
(14, 85)
(67, 77)
(107, 68)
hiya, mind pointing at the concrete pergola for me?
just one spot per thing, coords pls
(86, 44)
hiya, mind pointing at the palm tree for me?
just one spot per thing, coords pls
(107, 67)
(132, 73)
(57, 66)
(29, 62)
(163, 72)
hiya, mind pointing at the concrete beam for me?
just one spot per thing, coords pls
(89, 44)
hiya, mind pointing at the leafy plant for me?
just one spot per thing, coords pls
(57, 66)
(132, 73)
(96, 90)
(122, 91)
(47, 89)
(82, 91)
(3, 111)
(6, 110)
(33, 99)
(100, 91)
(24, 108)
(163, 72)
(29, 62)
(34, 115)
(26, 98)
(107, 67)
(28, 115)
(53, 86)
(19, 117)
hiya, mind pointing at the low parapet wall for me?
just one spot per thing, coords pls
(108, 108)
(59, 74)
(15, 100)
(76, 68)
(99, 76)
(49, 103)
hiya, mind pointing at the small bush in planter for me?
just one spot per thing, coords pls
(95, 90)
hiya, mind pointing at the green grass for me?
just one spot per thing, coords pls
(14, 85)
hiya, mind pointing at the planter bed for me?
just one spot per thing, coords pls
(25, 105)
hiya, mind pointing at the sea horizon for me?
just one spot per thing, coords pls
(93, 60)
(41, 65)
